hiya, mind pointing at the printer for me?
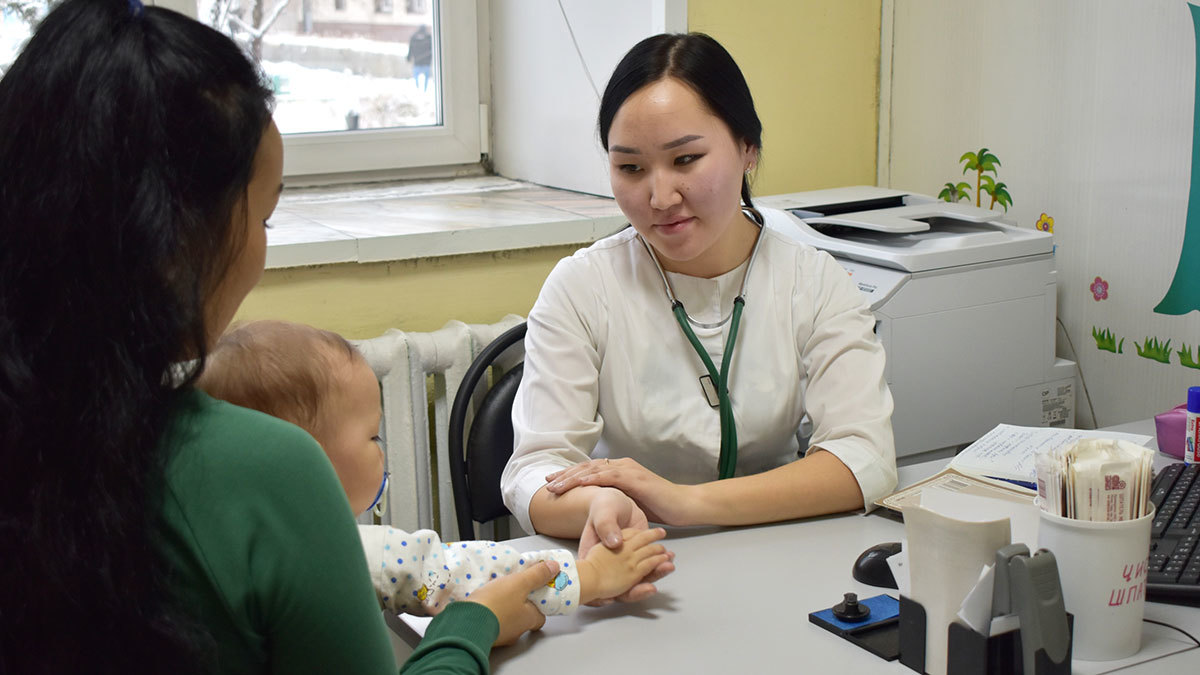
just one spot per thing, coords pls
(964, 304)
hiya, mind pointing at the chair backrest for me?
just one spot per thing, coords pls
(477, 463)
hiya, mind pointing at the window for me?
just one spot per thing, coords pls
(356, 89)
(17, 18)
(363, 84)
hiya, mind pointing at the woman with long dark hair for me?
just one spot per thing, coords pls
(668, 367)
(145, 527)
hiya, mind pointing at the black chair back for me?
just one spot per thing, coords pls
(476, 465)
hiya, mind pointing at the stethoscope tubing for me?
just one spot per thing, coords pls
(727, 461)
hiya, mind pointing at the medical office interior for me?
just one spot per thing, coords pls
(1071, 123)
(1081, 111)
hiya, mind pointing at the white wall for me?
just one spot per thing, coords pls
(1089, 106)
(543, 105)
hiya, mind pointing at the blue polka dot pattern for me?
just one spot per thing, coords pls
(423, 581)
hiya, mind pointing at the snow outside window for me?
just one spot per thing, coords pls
(360, 85)
(363, 84)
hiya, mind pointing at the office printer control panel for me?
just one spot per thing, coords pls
(877, 283)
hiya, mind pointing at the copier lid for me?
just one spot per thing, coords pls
(903, 230)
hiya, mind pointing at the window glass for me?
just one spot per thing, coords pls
(340, 65)
(17, 19)
(404, 73)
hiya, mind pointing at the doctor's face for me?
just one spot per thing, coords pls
(676, 172)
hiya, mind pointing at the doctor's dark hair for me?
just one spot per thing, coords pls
(701, 63)
(127, 141)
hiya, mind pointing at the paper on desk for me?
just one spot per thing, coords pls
(976, 609)
(946, 556)
(898, 563)
(419, 624)
(1023, 516)
(1008, 451)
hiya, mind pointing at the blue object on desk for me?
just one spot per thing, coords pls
(1025, 484)
(879, 633)
(883, 607)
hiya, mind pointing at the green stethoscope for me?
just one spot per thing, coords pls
(727, 463)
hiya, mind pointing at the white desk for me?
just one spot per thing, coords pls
(739, 603)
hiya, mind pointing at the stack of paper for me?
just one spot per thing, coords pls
(1007, 452)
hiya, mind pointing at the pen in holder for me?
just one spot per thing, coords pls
(1026, 586)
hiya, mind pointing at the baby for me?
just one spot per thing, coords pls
(318, 381)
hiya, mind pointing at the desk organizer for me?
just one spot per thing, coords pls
(971, 653)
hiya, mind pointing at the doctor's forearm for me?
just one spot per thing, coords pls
(815, 485)
(562, 515)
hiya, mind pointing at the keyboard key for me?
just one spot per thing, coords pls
(1163, 577)
(1174, 556)
(1163, 482)
(1159, 526)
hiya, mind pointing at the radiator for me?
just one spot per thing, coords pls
(417, 372)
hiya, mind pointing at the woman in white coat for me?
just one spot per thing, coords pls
(668, 367)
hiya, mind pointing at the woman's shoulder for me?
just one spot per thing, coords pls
(597, 261)
(615, 246)
(230, 439)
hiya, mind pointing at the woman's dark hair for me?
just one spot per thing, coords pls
(701, 63)
(127, 140)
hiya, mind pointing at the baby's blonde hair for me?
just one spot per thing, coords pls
(284, 369)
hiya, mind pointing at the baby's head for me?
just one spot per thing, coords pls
(314, 379)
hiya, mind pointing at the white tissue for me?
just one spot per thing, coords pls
(946, 557)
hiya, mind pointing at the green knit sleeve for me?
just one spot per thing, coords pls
(456, 642)
(311, 575)
(264, 548)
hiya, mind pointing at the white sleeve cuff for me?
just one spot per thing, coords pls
(875, 475)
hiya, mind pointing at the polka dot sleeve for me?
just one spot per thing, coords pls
(418, 574)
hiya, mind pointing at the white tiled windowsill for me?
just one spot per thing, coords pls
(430, 219)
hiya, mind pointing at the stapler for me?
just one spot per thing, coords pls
(1028, 586)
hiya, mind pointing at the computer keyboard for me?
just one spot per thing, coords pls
(1174, 574)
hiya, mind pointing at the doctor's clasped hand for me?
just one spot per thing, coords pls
(658, 498)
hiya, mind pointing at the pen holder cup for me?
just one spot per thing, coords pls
(1103, 568)
(971, 653)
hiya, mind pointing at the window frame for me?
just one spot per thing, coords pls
(457, 140)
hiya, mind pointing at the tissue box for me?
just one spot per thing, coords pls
(1169, 428)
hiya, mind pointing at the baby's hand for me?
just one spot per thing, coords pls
(607, 573)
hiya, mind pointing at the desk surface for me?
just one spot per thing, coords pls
(739, 602)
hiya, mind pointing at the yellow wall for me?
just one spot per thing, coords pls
(813, 68)
(363, 301)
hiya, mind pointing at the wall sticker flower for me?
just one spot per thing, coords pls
(1099, 289)
(1045, 224)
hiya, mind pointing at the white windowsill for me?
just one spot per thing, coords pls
(366, 224)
